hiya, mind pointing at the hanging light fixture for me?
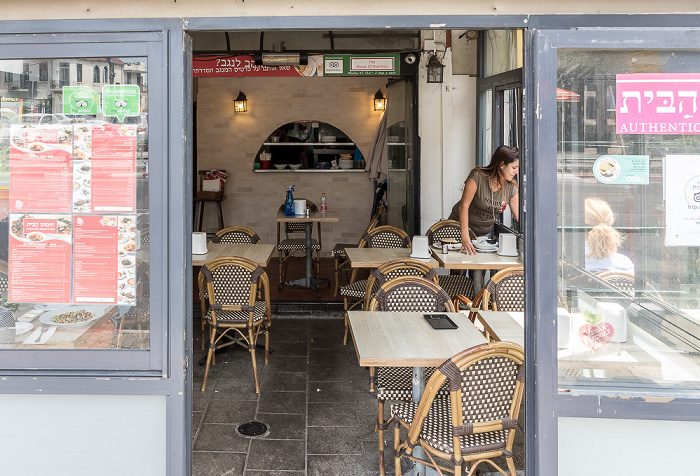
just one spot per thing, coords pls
(435, 70)
(240, 104)
(379, 101)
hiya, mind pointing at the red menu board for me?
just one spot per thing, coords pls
(113, 172)
(40, 169)
(95, 259)
(39, 258)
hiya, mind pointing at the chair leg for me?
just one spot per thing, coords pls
(337, 276)
(210, 354)
(252, 356)
(345, 337)
(397, 441)
(279, 258)
(204, 331)
(267, 345)
(381, 427)
(372, 378)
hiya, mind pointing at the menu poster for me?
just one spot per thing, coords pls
(40, 166)
(112, 172)
(40, 258)
(103, 259)
(82, 154)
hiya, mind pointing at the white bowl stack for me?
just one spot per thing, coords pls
(346, 161)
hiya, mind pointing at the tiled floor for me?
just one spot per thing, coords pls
(314, 397)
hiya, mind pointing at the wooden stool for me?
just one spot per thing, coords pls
(199, 203)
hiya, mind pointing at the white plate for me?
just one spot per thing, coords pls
(486, 251)
(98, 312)
(294, 166)
(48, 307)
(22, 327)
(450, 246)
(280, 166)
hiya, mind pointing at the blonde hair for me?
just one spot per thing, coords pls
(603, 239)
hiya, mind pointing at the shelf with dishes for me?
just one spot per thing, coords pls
(313, 171)
(314, 144)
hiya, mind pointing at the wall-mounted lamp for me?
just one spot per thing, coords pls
(434, 70)
(379, 101)
(240, 104)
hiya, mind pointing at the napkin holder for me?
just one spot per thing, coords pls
(420, 248)
(507, 245)
(199, 243)
(616, 316)
(300, 208)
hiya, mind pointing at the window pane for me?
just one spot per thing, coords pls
(629, 221)
(74, 267)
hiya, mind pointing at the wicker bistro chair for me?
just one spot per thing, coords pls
(4, 280)
(339, 254)
(234, 315)
(406, 293)
(477, 423)
(620, 279)
(287, 245)
(236, 235)
(505, 291)
(386, 236)
(140, 314)
(453, 284)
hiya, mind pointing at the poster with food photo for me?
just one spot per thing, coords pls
(94, 259)
(40, 162)
(126, 260)
(40, 258)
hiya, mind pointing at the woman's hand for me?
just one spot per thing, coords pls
(467, 247)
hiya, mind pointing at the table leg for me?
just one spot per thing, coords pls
(417, 392)
(478, 280)
(308, 281)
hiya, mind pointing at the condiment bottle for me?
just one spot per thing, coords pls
(324, 204)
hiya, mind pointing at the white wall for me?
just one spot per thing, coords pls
(606, 447)
(447, 127)
(76, 435)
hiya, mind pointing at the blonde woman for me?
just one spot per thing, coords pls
(603, 241)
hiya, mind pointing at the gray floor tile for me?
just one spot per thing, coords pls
(283, 382)
(288, 364)
(324, 465)
(334, 440)
(274, 473)
(206, 463)
(284, 426)
(277, 455)
(332, 414)
(223, 411)
(234, 389)
(318, 372)
(342, 391)
(215, 437)
(283, 402)
(296, 348)
(329, 357)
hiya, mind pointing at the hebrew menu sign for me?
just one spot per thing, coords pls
(657, 103)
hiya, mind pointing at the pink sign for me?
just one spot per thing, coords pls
(657, 103)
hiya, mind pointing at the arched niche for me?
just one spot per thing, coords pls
(307, 145)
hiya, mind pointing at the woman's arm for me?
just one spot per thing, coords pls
(464, 203)
(514, 203)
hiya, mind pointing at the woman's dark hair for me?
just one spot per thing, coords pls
(503, 155)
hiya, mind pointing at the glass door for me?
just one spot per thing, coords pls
(400, 155)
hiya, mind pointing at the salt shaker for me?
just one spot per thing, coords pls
(444, 248)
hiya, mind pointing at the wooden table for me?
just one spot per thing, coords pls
(314, 217)
(405, 339)
(260, 253)
(504, 326)
(374, 257)
(478, 262)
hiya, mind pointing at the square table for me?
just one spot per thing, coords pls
(504, 326)
(478, 262)
(313, 217)
(259, 253)
(374, 257)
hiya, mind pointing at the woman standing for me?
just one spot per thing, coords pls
(486, 193)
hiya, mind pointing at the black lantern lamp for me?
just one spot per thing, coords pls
(379, 101)
(240, 104)
(434, 70)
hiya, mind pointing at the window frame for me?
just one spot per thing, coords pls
(111, 362)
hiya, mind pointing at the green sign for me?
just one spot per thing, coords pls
(622, 169)
(80, 100)
(121, 100)
(361, 65)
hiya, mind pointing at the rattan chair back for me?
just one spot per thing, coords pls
(411, 294)
(620, 279)
(237, 235)
(444, 229)
(145, 237)
(4, 280)
(385, 236)
(478, 422)
(395, 269)
(505, 291)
